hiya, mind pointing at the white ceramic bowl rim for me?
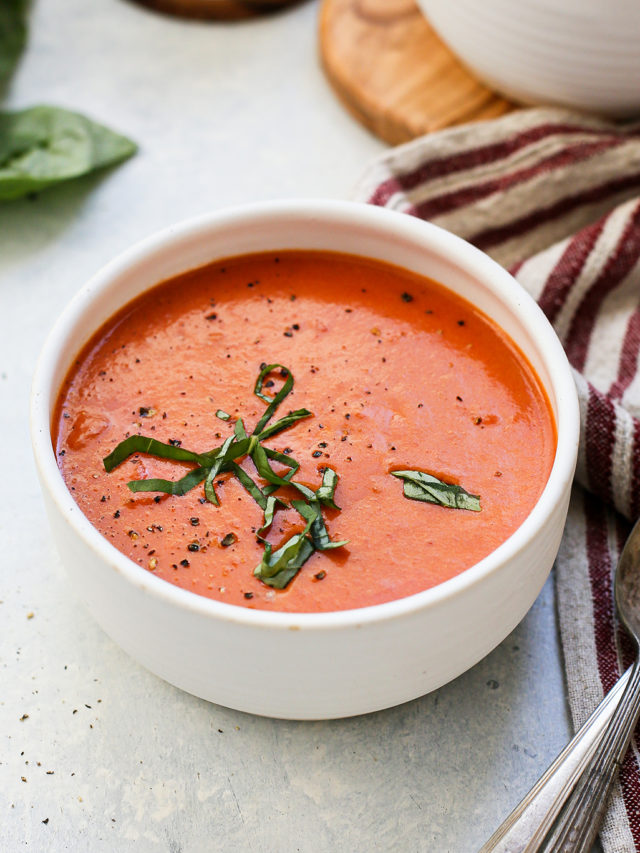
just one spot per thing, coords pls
(405, 226)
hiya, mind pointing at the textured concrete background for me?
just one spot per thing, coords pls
(96, 754)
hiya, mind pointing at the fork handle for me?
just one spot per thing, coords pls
(530, 821)
(578, 825)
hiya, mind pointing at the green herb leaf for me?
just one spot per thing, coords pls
(269, 513)
(245, 480)
(277, 569)
(221, 458)
(327, 490)
(284, 422)
(419, 486)
(312, 513)
(235, 450)
(239, 430)
(223, 415)
(273, 402)
(170, 487)
(261, 461)
(13, 35)
(43, 146)
(143, 444)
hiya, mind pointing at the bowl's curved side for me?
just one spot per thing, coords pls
(340, 663)
(309, 672)
(580, 53)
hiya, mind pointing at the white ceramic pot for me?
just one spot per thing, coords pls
(309, 666)
(574, 53)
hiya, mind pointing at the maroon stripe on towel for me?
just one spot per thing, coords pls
(621, 261)
(566, 271)
(600, 429)
(601, 568)
(628, 365)
(567, 204)
(629, 771)
(468, 159)
(600, 576)
(515, 269)
(475, 192)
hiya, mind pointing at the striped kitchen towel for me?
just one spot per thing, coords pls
(555, 197)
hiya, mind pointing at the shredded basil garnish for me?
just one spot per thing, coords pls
(143, 444)
(277, 568)
(326, 491)
(419, 486)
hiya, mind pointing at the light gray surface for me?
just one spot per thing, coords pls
(114, 758)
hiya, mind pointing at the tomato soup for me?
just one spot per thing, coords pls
(386, 372)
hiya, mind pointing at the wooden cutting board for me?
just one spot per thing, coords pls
(394, 74)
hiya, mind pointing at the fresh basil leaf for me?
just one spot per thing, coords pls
(13, 35)
(143, 444)
(43, 146)
(284, 422)
(327, 490)
(269, 513)
(170, 487)
(239, 430)
(279, 567)
(273, 402)
(284, 459)
(419, 486)
(235, 450)
(312, 513)
(245, 480)
(209, 490)
(261, 461)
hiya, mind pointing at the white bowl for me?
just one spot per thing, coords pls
(574, 53)
(301, 665)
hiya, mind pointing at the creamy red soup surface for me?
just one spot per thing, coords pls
(420, 438)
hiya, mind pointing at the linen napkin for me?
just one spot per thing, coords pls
(555, 197)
